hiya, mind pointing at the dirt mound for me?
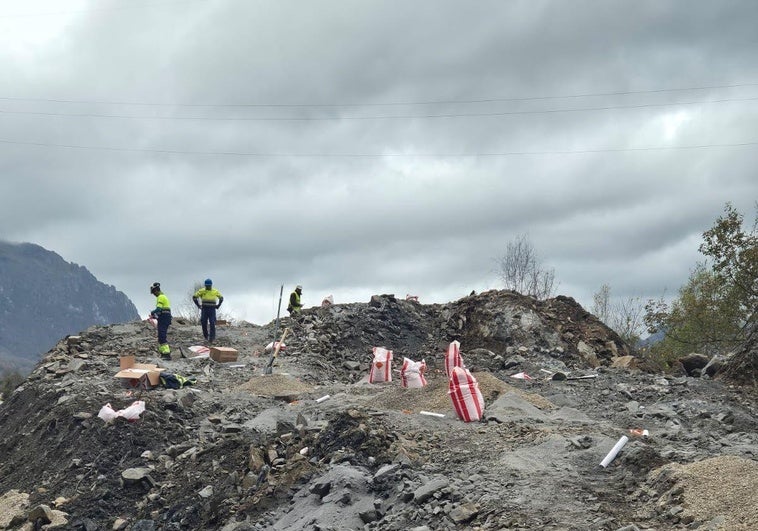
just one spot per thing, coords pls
(334, 343)
(242, 450)
(721, 490)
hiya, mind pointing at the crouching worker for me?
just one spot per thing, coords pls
(162, 314)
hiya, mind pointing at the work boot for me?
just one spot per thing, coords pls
(165, 351)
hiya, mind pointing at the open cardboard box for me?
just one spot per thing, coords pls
(134, 374)
(223, 354)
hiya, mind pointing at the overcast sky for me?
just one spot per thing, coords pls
(365, 147)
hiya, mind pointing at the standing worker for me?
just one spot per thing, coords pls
(295, 304)
(162, 314)
(211, 300)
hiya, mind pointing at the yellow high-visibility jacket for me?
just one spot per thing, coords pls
(208, 297)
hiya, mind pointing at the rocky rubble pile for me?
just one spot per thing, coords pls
(314, 446)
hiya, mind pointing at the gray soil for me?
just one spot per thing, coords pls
(242, 450)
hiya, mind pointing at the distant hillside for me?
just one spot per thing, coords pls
(44, 298)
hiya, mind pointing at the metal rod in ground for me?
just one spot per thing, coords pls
(277, 345)
(278, 310)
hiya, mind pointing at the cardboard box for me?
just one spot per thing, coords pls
(223, 354)
(134, 374)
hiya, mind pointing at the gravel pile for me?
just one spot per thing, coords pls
(723, 486)
(274, 385)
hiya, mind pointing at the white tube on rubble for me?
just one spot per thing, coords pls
(440, 415)
(615, 450)
(325, 397)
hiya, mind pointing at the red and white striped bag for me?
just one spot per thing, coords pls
(381, 366)
(466, 396)
(412, 373)
(453, 358)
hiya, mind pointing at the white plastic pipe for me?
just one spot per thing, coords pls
(325, 397)
(615, 450)
(440, 415)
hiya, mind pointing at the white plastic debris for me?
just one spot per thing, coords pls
(521, 376)
(304, 451)
(199, 351)
(431, 414)
(107, 413)
(325, 397)
(614, 451)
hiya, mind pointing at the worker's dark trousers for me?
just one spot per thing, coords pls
(164, 320)
(208, 322)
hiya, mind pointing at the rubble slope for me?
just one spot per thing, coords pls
(314, 446)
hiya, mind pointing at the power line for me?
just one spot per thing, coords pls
(380, 117)
(378, 104)
(379, 155)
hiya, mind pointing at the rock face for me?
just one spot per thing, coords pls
(742, 367)
(43, 298)
(314, 446)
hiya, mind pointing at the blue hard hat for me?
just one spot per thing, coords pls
(208, 282)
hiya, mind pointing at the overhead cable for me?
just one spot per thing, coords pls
(380, 117)
(376, 104)
(379, 155)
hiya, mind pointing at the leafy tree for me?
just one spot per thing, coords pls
(521, 270)
(716, 310)
(735, 256)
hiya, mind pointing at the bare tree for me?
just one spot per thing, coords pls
(520, 269)
(601, 303)
(627, 319)
(624, 316)
(187, 309)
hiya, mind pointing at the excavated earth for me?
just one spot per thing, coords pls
(314, 446)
